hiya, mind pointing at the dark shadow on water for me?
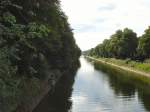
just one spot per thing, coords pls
(121, 87)
(59, 99)
(145, 98)
(122, 83)
(126, 84)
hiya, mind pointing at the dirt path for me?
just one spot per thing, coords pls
(122, 67)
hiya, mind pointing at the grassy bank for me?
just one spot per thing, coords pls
(138, 79)
(144, 67)
(127, 65)
(124, 77)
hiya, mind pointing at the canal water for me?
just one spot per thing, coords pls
(91, 90)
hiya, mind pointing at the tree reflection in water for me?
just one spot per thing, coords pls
(59, 99)
(126, 84)
(123, 88)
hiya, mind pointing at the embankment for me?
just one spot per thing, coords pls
(141, 73)
(46, 86)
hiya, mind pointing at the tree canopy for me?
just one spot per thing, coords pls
(144, 44)
(124, 44)
(35, 38)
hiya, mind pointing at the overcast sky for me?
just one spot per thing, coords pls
(95, 20)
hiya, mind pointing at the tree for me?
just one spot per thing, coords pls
(144, 45)
(126, 44)
(35, 40)
(122, 44)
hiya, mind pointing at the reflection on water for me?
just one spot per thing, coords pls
(59, 99)
(97, 89)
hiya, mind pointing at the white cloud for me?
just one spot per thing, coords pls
(89, 39)
(95, 20)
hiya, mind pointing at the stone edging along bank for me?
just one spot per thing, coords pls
(122, 67)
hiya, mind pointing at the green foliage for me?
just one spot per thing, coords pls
(144, 44)
(35, 38)
(122, 44)
(9, 18)
(145, 67)
(37, 31)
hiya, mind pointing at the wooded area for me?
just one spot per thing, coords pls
(35, 38)
(124, 44)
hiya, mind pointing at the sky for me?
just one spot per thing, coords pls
(93, 21)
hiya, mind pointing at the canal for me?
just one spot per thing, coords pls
(92, 90)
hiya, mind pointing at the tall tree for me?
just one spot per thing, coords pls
(128, 44)
(144, 44)
(122, 44)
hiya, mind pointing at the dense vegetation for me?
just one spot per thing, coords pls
(124, 45)
(35, 38)
(132, 64)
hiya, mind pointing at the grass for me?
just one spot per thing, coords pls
(144, 67)
(124, 76)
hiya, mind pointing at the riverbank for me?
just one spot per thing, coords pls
(122, 67)
(98, 86)
(47, 85)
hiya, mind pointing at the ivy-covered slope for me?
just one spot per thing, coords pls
(35, 38)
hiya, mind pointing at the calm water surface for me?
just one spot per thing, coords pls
(92, 90)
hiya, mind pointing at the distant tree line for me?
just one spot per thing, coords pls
(124, 44)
